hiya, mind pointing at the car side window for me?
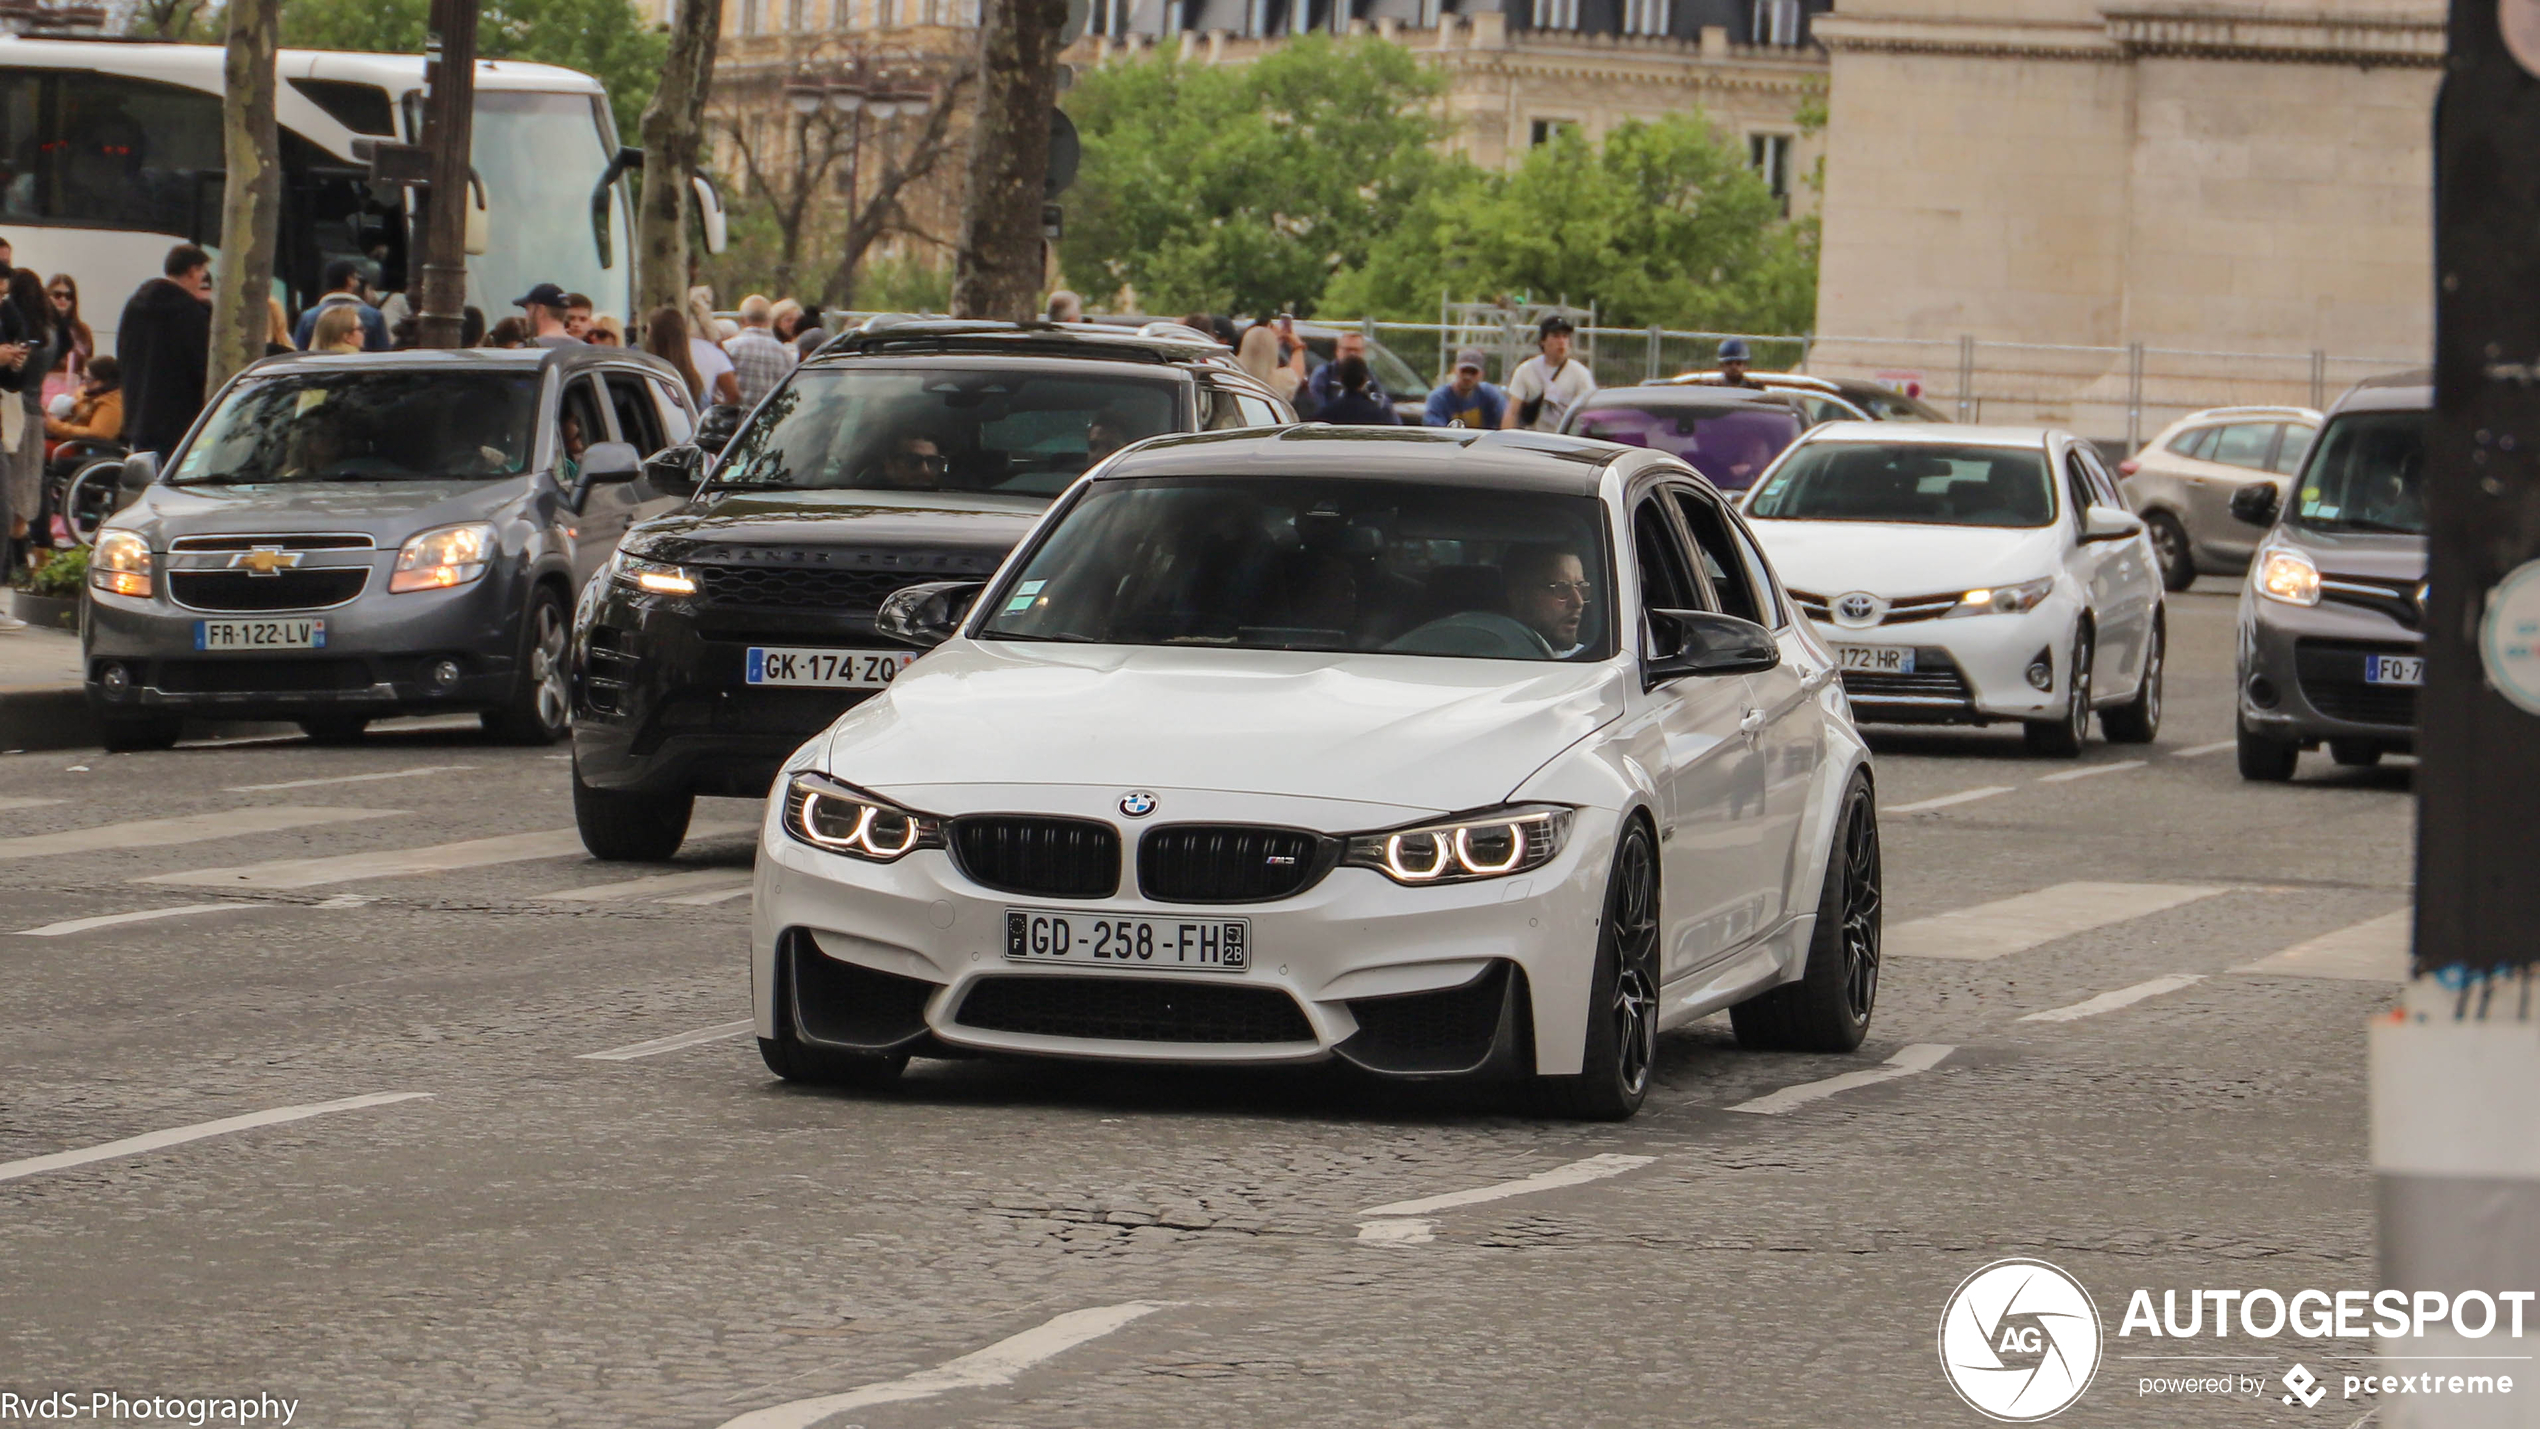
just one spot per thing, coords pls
(1723, 566)
(1258, 411)
(1768, 593)
(675, 424)
(1218, 409)
(2295, 446)
(2103, 487)
(1666, 572)
(2076, 488)
(638, 420)
(2243, 444)
(578, 421)
(2191, 442)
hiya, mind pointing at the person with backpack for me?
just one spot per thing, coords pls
(1546, 386)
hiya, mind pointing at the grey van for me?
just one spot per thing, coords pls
(346, 537)
(2332, 616)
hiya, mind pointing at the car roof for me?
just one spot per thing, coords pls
(896, 334)
(1799, 381)
(1690, 395)
(1014, 360)
(1508, 460)
(2390, 392)
(573, 358)
(1936, 434)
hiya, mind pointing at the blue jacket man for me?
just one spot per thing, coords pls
(342, 281)
(1464, 399)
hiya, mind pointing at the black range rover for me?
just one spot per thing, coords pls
(724, 634)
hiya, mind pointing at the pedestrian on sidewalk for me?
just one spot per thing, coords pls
(1546, 386)
(810, 334)
(1355, 404)
(165, 341)
(759, 361)
(544, 307)
(27, 327)
(1732, 363)
(577, 316)
(65, 380)
(666, 337)
(1465, 400)
(342, 281)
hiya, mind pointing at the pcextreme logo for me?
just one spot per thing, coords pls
(2019, 1341)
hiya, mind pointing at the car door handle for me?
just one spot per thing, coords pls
(1751, 725)
(1817, 680)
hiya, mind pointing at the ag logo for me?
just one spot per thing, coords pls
(1137, 804)
(2019, 1341)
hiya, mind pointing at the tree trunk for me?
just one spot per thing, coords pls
(997, 266)
(674, 140)
(449, 131)
(251, 200)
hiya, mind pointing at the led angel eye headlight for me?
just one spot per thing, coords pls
(1491, 844)
(840, 818)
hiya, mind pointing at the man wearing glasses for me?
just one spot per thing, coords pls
(914, 464)
(1549, 590)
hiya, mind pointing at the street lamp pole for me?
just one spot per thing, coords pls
(449, 74)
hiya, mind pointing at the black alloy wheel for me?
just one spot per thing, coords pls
(1829, 1008)
(2063, 738)
(2138, 720)
(2170, 546)
(133, 734)
(1622, 1031)
(540, 710)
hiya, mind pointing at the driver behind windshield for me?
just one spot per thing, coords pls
(913, 463)
(1549, 590)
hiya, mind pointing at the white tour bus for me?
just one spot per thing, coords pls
(110, 152)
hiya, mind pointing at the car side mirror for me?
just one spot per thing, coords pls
(139, 470)
(675, 471)
(1702, 642)
(2257, 503)
(2107, 523)
(926, 614)
(610, 461)
(715, 429)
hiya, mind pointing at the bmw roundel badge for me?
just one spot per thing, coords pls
(1137, 803)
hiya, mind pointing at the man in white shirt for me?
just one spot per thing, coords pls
(1545, 387)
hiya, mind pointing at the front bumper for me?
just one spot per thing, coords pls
(1409, 981)
(2302, 673)
(1967, 671)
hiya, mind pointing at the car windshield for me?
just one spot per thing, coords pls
(1922, 483)
(2366, 473)
(1009, 430)
(368, 424)
(1259, 563)
(1730, 445)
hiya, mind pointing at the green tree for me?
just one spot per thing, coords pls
(1243, 188)
(605, 39)
(1661, 223)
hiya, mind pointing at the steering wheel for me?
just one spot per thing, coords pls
(1479, 633)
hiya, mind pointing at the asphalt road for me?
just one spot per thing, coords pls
(673, 1238)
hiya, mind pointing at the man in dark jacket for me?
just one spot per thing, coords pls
(165, 341)
(343, 284)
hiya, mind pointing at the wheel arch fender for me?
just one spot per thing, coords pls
(1847, 758)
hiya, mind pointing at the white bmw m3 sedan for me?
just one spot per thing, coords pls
(1441, 753)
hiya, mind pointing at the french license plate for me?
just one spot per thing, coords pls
(826, 669)
(2394, 669)
(260, 635)
(1203, 945)
(1877, 659)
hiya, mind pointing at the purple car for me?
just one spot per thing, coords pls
(1727, 434)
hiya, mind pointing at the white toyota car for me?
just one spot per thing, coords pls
(1971, 574)
(1441, 753)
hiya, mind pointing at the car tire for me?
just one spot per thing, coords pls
(540, 710)
(2170, 546)
(630, 827)
(2138, 720)
(1622, 1030)
(334, 729)
(2355, 753)
(1829, 1008)
(133, 734)
(788, 1058)
(2265, 759)
(2062, 738)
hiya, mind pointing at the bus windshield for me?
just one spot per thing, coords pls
(540, 154)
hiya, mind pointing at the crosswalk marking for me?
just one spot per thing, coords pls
(2371, 951)
(1963, 796)
(2012, 925)
(1921, 1057)
(2122, 997)
(109, 920)
(2196, 750)
(415, 773)
(2090, 771)
(400, 863)
(179, 1135)
(184, 829)
(1576, 1173)
(702, 900)
(674, 1043)
(717, 878)
(14, 802)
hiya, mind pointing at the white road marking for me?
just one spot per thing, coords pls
(721, 878)
(108, 920)
(415, 773)
(1577, 1173)
(179, 1135)
(2196, 750)
(659, 1045)
(1403, 1232)
(2090, 771)
(701, 900)
(184, 829)
(2011, 925)
(1921, 1057)
(399, 863)
(1963, 796)
(2373, 951)
(998, 1364)
(14, 802)
(2122, 997)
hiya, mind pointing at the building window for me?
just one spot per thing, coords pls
(886, 13)
(1776, 22)
(1645, 17)
(1175, 22)
(1769, 156)
(797, 14)
(1541, 131)
(1256, 18)
(1556, 14)
(1430, 10)
(1340, 17)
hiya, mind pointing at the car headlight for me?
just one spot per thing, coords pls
(2290, 577)
(2002, 599)
(841, 818)
(443, 557)
(121, 563)
(1490, 845)
(651, 577)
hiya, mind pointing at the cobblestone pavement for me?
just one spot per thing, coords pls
(677, 1239)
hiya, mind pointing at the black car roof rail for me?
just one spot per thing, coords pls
(904, 333)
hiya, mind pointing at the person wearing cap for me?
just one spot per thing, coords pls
(1733, 360)
(342, 281)
(1465, 400)
(1546, 386)
(545, 306)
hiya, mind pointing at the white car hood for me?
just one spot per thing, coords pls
(1894, 559)
(1415, 732)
